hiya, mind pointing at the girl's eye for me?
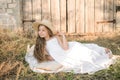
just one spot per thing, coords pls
(41, 30)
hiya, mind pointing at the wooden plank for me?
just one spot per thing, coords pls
(55, 13)
(114, 14)
(89, 16)
(106, 16)
(27, 14)
(27, 10)
(80, 16)
(71, 16)
(118, 17)
(37, 9)
(63, 15)
(46, 9)
(118, 20)
(111, 14)
(98, 15)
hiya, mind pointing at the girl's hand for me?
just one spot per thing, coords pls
(60, 33)
(30, 49)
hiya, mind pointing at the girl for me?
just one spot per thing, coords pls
(65, 56)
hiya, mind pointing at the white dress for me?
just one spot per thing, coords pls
(79, 58)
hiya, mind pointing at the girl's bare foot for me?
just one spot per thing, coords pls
(49, 58)
(108, 51)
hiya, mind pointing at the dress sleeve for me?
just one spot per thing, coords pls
(29, 57)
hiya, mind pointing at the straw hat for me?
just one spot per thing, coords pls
(43, 22)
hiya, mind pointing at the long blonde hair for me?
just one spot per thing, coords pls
(39, 50)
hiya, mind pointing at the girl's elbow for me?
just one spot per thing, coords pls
(66, 48)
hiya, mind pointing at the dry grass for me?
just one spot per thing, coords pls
(13, 46)
(12, 50)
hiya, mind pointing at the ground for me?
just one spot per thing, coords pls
(13, 46)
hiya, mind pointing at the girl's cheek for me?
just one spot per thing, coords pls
(39, 32)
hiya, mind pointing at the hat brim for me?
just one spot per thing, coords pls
(45, 23)
(35, 25)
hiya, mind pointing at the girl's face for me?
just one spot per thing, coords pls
(43, 32)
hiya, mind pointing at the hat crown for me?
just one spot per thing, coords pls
(46, 23)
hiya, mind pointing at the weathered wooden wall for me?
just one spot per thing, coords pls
(72, 16)
(118, 15)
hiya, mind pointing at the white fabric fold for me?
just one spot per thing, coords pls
(79, 58)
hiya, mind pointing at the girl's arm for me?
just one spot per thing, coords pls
(62, 41)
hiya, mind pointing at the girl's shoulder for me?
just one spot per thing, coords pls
(52, 38)
(58, 38)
